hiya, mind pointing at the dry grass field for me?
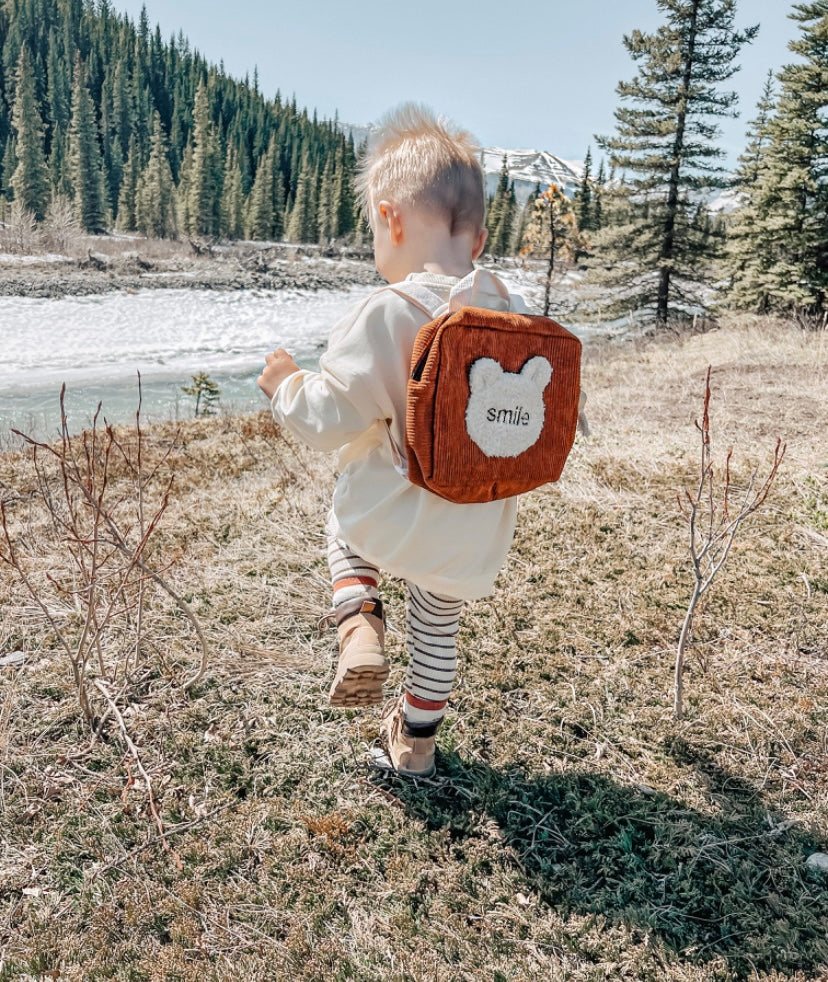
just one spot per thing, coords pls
(575, 831)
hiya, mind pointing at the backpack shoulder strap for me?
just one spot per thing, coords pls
(427, 300)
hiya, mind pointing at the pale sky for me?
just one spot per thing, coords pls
(538, 74)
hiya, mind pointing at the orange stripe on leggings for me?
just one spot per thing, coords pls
(425, 704)
(355, 581)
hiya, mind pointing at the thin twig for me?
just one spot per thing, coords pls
(710, 544)
(134, 752)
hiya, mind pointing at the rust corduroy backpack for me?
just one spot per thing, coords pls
(492, 402)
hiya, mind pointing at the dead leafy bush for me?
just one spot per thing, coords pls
(20, 234)
(61, 229)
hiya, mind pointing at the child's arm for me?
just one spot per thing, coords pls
(350, 391)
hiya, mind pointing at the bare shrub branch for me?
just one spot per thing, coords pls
(95, 489)
(714, 520)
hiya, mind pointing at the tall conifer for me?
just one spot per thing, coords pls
(781, 262)
(127, 197)
(343, 195)
(666, 145)
(302, 224)
(746, 258)
(261, 217)
(583, 196)
(232, 202)
(30, 179)
(326, 210)
(204, 190)
(497, 206)
(85, 171)
(155, 198)
(598, 198)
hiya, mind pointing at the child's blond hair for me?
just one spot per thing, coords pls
(419, 159)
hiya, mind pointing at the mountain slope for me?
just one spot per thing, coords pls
(528, 168)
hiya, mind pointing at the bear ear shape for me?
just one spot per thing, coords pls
(537, 370)
(485, 371)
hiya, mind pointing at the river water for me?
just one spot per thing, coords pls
(97, 345)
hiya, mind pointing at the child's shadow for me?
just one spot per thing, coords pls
(731, 885)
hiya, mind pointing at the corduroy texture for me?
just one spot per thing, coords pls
(441, 455)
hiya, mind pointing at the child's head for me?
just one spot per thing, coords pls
(429, 169)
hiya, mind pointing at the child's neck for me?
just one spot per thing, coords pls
(442, 268)
(447, 256)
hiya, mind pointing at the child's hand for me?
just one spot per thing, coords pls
(279, 366)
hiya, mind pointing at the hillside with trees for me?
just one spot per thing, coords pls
(142, 134)
(105, 125)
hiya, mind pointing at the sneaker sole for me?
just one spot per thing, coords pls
(359, 687)
(382, 762)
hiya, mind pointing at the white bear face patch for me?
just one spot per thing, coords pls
(505, 413)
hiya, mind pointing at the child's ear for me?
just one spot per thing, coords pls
(480, 242)
(391, 215)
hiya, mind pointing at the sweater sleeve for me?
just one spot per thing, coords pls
(331, 407)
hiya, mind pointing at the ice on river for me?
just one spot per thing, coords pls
(96, 345)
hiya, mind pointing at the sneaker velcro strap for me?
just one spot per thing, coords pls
(420, 730)
(360, 605)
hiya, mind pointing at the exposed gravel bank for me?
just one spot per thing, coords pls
(235, 268)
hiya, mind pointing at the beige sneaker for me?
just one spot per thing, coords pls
(408, 753)
(363, 666)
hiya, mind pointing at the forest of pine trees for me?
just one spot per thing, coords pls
(141, 134)
(104, 120)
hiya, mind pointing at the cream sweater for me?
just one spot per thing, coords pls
(355, 403)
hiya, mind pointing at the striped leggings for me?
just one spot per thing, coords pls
(432, 624)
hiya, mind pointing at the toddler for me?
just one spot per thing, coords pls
(422, 186)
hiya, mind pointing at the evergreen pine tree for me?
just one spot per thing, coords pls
(58, 112)
(598, 198)
(85, 173)
(665, 143)
(343, 193)
(204, 194)
(746, 258)
(779, 254)
(155, 198)
(583, 197)
(498, 205)
(301, 226)
(506, 227)
(232, 202)
(326, 210)
(260, 209)
(30, 179)
(129, 188)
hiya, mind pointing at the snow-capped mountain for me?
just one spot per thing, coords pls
(528, 168)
